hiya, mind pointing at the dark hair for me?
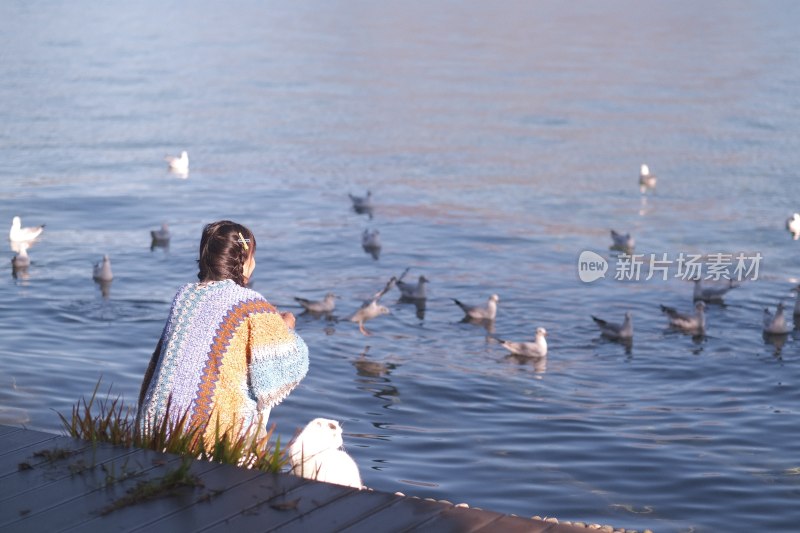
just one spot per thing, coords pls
(222, 252)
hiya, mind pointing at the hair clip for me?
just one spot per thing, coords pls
(244, 241)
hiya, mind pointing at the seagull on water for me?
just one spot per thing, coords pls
(711, 294)
(480, 313)
(793, 225)
(624, 243)
(615, 331)
(537, 348)
(20, 234)
(775, 324)
(160, 236)
(412, 291)
(178, 164)
(102, 270)
(372, 308)
(362, 204)
(371, 242)
(646, 180)
(21, 260)
(324, 306)
(695, 324)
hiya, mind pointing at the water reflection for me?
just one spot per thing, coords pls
(485, 323)
(776, 340)
(377, 377)
(105, 288)
(539, 364)
(419, 304)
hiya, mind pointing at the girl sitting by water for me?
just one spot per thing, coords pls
(226, 356)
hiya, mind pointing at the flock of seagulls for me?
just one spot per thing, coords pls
(22, 238)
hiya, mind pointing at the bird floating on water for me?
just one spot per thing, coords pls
(695, 324)
(372, 308)
(324, 306)
(102, 270)
(362, 204)
(793, 225)
(412, 291)
(19, 234)
(476, 312)
(371, 242)
(624, 243)
(614, 331)
(775, 324)
(711, 294)
(646, 180)
(160, 237)
(537, 348)
(180, 164)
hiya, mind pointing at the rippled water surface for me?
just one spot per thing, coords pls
(499, 141)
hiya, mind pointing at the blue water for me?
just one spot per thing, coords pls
(499, 141)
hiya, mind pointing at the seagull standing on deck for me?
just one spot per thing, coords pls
(19, 234)
(102, 270)
(372, 308)
(537, 348)
(480, 313)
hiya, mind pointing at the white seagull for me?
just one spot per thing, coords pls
(179, 164)
(324, 306)
(372, 308)
(711, 294)
(775, 324)
(614, 331)
(646, 180)
(793, 225)
(412, 291)
(102, 270)
(622, 242)
(480, 313)
(20, 234)
(537, 348)
(21, 260)
(695, 324)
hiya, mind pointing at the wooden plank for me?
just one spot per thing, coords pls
(276, 509)
(48, 450)
(462, 520)
(404, 514)
(516, 524)
(240, 489)
(75, 498)
(341, 513)
(16, 440)
(127, 517)
(8, 429)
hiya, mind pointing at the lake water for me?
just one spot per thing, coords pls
(499, 140)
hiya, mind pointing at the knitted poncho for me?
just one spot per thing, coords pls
(225, 356)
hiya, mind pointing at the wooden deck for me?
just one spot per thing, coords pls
(55, 483)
